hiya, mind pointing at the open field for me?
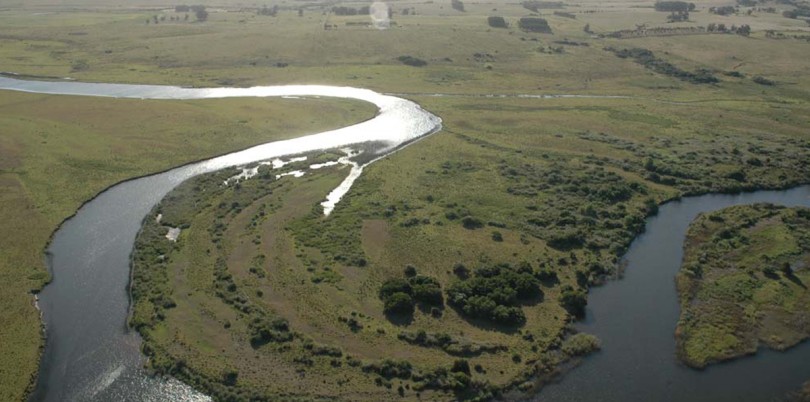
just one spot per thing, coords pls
(743, 283)
(566, 183)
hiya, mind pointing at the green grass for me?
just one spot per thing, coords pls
(734, 293)
(59, 151)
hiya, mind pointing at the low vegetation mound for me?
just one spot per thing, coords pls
(743, 283)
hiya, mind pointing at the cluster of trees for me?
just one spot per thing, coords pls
(743, 30)
(497, 22)
(565, 15)
(724, 10)
(648, 60)
(678, 16)
(495, 293)
(534, 24)
(674, 6)
(445, 342)
(269, 11)
(342, 10)
(536, 6)
(457, 5)
(198, 10)
(400, 295)
(799, 12)
(265, 329)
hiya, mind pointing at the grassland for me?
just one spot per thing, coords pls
(58, 151)
(543, 171)
(742, 283)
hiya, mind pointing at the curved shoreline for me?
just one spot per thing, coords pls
(402, 144)
(398, 122)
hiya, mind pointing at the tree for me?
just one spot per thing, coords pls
(786, 269)
(399, 303)
(457, 5)
(201, 15)
(392, 286)
(496, 22)
(574, 301)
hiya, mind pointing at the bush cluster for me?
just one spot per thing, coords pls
(400, 295)
(494, 293)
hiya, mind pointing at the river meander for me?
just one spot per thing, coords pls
(92, 355)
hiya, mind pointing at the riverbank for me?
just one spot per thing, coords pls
(743, 283)
(59, 151)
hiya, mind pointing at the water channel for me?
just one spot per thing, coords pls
(92, 355)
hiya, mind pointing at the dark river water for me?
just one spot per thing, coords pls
(91, 355)
(635, 318)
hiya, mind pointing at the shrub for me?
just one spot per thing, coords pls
(574, 301)
(392, 286)
(412, 61)
(762, 81)
(534, 24)
(399, 303)
(472, 223)
(497, 22)
(580, 345)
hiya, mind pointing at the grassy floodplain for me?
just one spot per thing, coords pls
(59, 151)
(743, 283)
(565, 182)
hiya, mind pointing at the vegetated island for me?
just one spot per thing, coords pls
(744, 283)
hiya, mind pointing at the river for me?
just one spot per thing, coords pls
(635, 317)
(92, 355)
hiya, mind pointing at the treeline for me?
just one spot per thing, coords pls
(269, 11)
(536, 6)
(342, 10)
(724, 10)
(565, 15)
(670, 6)
(534, 24)
(647, 59)
(743, 30)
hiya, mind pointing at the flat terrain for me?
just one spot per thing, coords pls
(59, 151)
(565, 182)
(743, 283)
